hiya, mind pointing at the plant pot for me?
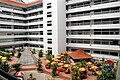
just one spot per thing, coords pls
(47, 67)
(67, 71)
(59, 69)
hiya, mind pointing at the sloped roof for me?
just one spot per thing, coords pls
(79, 54)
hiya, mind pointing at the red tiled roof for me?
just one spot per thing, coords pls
(80, 54)
(20, 4)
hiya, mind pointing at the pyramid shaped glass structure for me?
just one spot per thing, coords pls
(27, 58)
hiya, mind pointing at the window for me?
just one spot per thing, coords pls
(49, 32)
(48, 5)
(49, 41)
(49, 14)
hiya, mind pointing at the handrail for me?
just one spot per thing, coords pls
(7, 75)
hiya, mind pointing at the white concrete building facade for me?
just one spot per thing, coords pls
(63, 25)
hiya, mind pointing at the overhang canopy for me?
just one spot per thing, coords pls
(80, 54)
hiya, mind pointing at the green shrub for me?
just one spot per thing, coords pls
(19, 55)
(4, 66)
(49, 57)
(16, 66)
(40, 53)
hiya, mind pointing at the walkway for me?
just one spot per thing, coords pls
(39, 76)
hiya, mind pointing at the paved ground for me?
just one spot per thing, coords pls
(39, 76)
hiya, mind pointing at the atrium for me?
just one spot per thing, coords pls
(57, 26)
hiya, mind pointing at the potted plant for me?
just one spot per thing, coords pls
(19, 54)
(40, 53)
(75, 73)
(8, 56)
(34, 51)
(16, 67)
(4, 66)
(39, 64)
(19, 50)
(47, 66)
(49, 57)
(59, 69)
(54, 66)
(31, 77)
(13, 52)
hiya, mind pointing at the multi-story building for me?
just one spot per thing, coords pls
(33, 24)
(62, 25)
(94, 25)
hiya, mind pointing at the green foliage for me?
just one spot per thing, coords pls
(8, 56)
(75, 75)
(34, 52)
(40, 53)
(65, 58)
(13, 51)
(49, 57)
(39, 64)
(107, 74)
(81, 63)
(31, 75)
(4, 66)
(16, 66)
(2, 49)
(19, 55)
(19, 50)
(54, 69)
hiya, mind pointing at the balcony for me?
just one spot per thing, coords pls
(105, 5)
(34, 10)
(87, 8)
(12, 23)
(105, 56)
(75, 1)
(11, 10)
(12, 30)
(108, 15)
(21, 42)
(34, 17)
(94, 46)
(117, 37)
(80, 18)
(35, 23)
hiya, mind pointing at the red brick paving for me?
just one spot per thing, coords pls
(48, 71)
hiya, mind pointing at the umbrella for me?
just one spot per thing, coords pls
(82, 69)
(4, 58)
(19, 74)
(0, 56)
(10, 53)
(109, 61)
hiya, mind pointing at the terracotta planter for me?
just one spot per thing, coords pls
(83, 77)
(67, 71)
(47, 67)
(59, 69)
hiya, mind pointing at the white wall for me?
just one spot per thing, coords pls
(58, 27)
